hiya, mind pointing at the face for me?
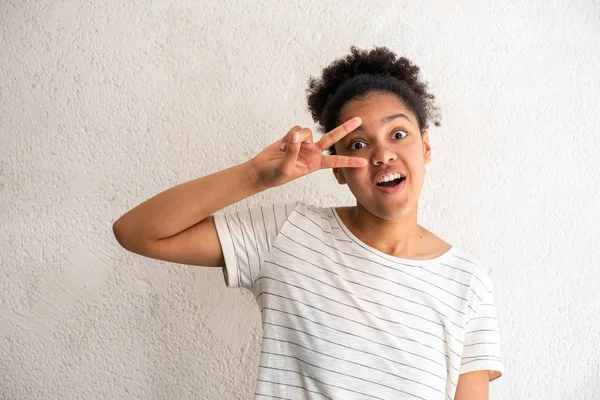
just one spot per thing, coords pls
(395, 148)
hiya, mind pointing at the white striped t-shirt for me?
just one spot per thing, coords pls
(342, 320)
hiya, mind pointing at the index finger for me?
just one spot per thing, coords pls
(335, 135)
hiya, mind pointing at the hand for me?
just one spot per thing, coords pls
(296, 155)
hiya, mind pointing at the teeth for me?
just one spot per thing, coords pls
(388, 178)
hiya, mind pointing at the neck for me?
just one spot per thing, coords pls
(400, 237)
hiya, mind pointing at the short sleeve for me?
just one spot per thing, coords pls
(481, 350)
(246, 237)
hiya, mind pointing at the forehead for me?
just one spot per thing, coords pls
(374, 107)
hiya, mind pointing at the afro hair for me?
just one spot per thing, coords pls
(362, 72)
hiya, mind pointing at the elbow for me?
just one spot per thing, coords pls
(129, 238)
(120, 235)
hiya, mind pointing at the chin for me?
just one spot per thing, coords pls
(387, 212)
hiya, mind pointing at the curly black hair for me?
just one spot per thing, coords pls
(362, 72)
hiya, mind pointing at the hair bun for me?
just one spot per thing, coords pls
(378, 62)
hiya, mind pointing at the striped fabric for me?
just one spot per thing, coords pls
(342, 320)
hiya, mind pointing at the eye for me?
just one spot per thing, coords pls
(357, 145)
(402, 133)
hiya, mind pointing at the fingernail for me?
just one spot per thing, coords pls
(282, 147)
(295, 137)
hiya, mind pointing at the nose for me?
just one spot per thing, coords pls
(383, 155)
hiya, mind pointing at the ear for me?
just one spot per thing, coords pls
(338, 176)
(426, 147)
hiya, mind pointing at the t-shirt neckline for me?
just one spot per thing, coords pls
(370, 249)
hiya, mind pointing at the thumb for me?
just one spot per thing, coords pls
(292, 149)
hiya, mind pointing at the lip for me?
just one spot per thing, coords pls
(392, 190)
(389, 171)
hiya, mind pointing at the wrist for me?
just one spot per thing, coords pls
(252, 176)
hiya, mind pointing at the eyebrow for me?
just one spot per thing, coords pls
(387, 119)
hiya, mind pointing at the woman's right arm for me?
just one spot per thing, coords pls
(177, 224)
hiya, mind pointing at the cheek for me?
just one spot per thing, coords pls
(415, 156)
(355, 175)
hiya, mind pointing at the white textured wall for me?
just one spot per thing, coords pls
(104, 104)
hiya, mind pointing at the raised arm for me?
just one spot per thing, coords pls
(177, 225)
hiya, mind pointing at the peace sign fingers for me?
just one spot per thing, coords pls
(335, 135)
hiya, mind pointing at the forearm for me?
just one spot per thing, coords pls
(184, 205)
(473, 385)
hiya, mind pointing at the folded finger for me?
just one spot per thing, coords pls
(286, 137)
(305, 137)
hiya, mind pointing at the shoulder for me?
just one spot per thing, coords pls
(457, 257)
(301, 212)
(310, 209)
(432, 246)
(466, 261)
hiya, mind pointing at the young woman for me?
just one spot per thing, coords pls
(357, 302)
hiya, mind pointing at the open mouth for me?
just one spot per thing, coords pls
(392, 183)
